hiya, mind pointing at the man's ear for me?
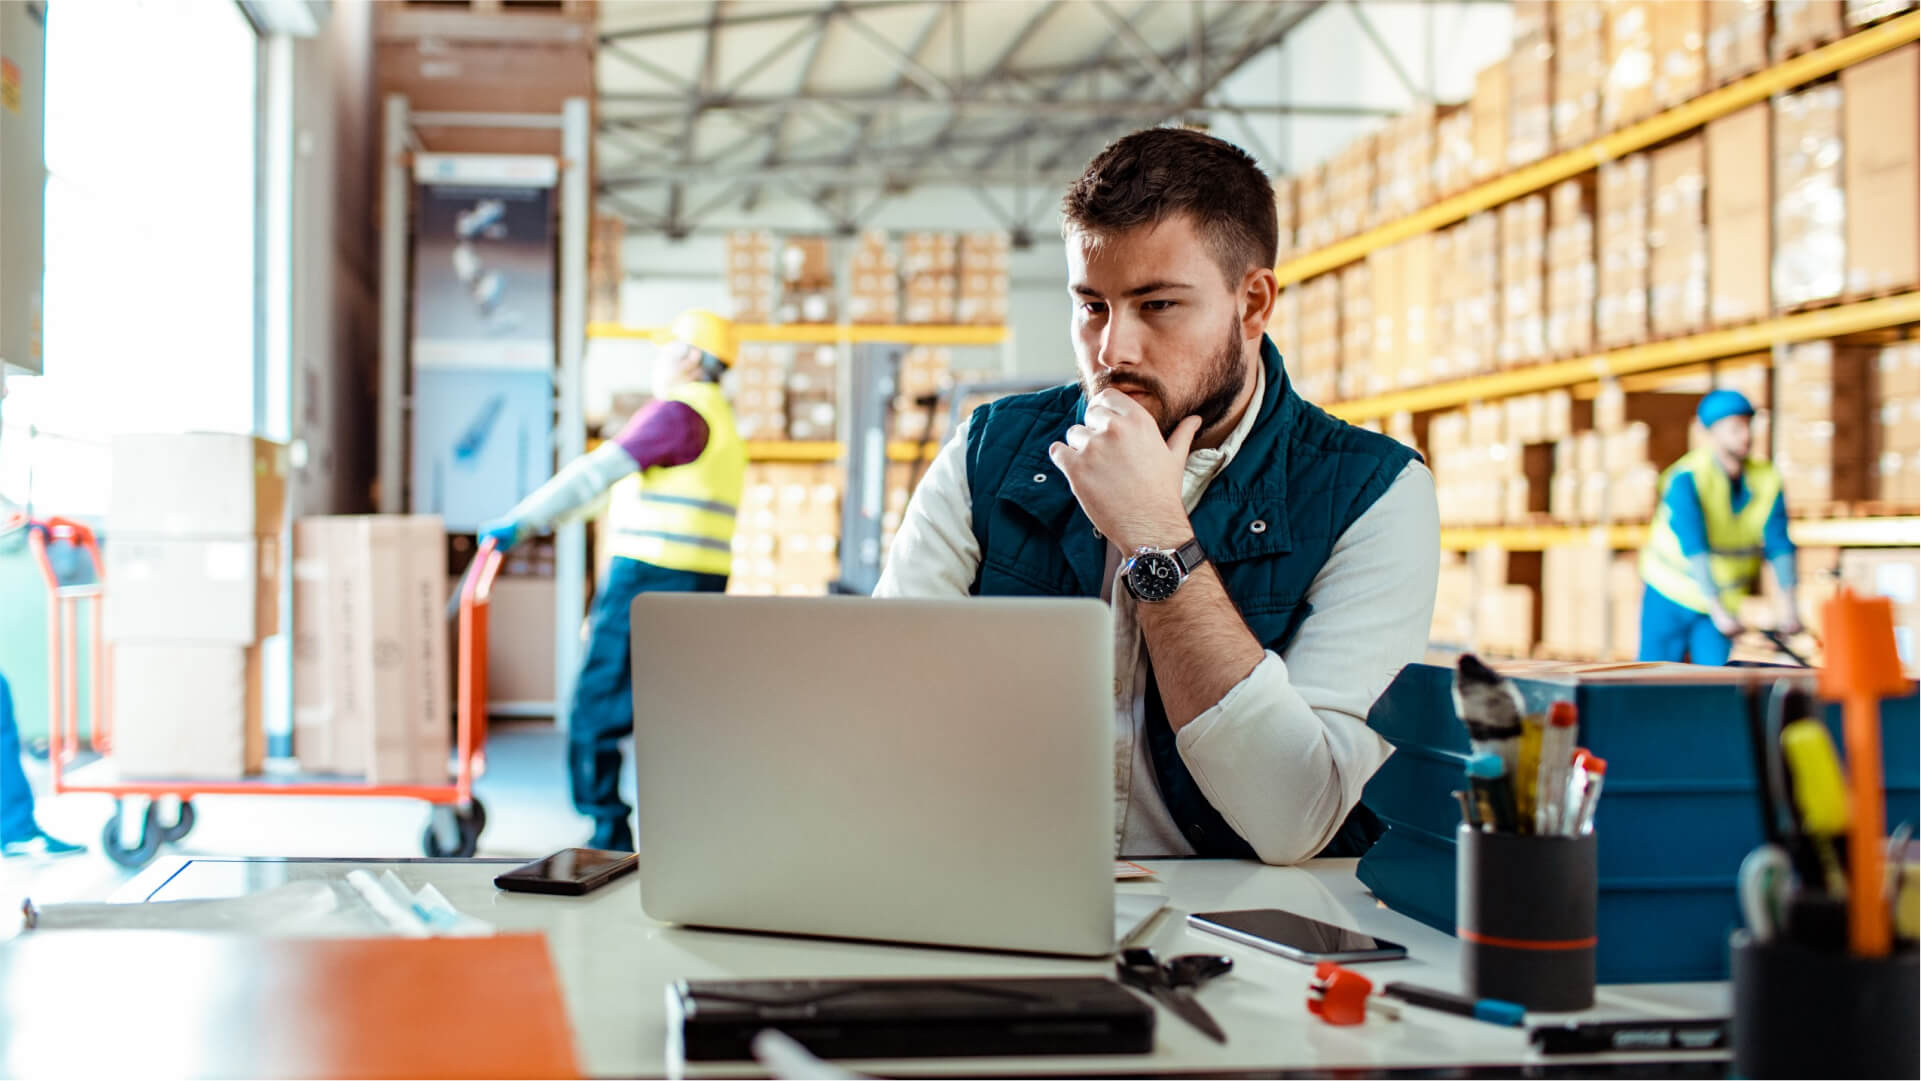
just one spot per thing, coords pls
(1258, 294)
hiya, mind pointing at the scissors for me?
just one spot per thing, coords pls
(1172, 983)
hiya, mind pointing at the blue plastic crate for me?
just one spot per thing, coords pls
(1675, 819)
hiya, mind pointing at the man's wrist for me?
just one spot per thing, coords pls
(1161, 531)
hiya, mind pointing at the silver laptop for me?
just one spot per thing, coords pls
(934, 772)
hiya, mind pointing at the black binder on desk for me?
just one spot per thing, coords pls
(718, 1019)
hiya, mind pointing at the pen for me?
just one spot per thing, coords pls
(1487, 775)
(1820, 794)
(1557, 754)
(1492, 1010)
(1684, 1034)
(1596, 769)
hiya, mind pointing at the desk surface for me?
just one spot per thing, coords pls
(615, 964)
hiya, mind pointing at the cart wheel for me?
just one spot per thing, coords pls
(182, 824)
(465, 822)
(141, 854)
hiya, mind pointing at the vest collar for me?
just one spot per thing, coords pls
(1242, 515)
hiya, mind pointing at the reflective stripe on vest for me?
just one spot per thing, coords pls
(682, 517)
(1736, 542)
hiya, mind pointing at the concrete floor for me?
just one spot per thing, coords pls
(525, 792)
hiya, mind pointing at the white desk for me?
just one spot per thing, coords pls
(614, 965)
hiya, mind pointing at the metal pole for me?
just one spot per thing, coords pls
(395, 198)
(570, 432)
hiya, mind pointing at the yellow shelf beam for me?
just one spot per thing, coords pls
(1546, 173)
(1714, 344)
(777, 450)
(825, 333)
(1810, 533)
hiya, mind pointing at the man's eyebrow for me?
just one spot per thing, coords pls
(1137, 291)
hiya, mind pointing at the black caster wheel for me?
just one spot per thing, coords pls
(143, 851)
(182, 824)
(454, 831)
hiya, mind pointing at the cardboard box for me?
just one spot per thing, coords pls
(1489, 108)
(1810, 203)
(1284, 217)
(386, 707)
(1357, 330)
(1629, 94)
(1802, 25)
(1677, 238)
(1572, 281)
(1580, 71)
(1621, 305)
(1880, 171)
(1737, 39)
(1680, 51)
(1740, 215)
(206, 591)
(197, 484)
(804, 265)
(187, 711)
(1530, 124)
(1523, 282)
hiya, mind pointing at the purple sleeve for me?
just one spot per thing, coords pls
(663, 433)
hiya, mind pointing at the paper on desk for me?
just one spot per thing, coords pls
(296, 908)
(1128, 869)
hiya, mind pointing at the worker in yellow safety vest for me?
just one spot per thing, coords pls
(1721, 514)
(676, 471)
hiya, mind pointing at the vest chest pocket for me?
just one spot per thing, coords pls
(1274, 626)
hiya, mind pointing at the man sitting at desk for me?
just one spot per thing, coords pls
(1277, 564)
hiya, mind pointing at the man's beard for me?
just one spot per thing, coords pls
(1224, 379)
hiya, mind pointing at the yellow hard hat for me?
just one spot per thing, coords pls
(706, 332)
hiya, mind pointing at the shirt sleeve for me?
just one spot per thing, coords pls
(1774, 535)
(935, 552)
(1285, 754)
(663, 433)
(1684, 515)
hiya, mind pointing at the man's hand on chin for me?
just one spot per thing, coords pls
(1127, 478)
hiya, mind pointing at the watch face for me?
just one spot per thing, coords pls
(1153, 576)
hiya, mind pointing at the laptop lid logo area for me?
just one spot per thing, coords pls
(935, 772)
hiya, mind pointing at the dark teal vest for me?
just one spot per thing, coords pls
(1267, 522)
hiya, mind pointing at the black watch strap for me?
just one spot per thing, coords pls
(1190, 556)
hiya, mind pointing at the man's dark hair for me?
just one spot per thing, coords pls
(1147, 177)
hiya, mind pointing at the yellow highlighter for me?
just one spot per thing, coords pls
(1820, 793)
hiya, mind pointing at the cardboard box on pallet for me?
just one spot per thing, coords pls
(1677, 239)
(1356, 330)
(383, 706)
(1802, 25)
(1571, 276)
(1530, 122)
(1284, 216)
(1864, 12)
(1737, 39)
(1523, 282)
(1880, 151)
(750, 276)
(187, 710)
(1621, 312)
(1810, 209)
(1580, 71)
(1680, 51)
(804, 266)
(983, 279)
(1740, 216)
(1821, 442)
(1629, 93)
(1351, 186)
(1489, 107)
(1314, 225)
(1477, 319)
(1417, 329)
(1383, 362)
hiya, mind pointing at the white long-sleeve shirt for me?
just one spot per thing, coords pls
(1283, 756)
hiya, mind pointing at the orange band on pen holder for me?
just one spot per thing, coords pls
(1862, 668)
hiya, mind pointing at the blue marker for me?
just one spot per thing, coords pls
(1492, 1010)
(1487, 773)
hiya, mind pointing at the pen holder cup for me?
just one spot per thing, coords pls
(1803, 1012)
(1525, 918)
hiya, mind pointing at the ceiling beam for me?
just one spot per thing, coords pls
(743, 17)
(1116, 107)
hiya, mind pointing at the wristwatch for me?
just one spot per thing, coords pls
(1153, 574)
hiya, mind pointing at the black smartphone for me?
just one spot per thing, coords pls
(1296, 937)
(570, 871)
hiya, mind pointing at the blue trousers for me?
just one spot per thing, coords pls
(16, 799)
(603, 705)
(1670, 632)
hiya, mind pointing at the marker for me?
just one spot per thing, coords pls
(1820, 795)
(1596, 769)
(1557, 757)
(1492, 1010)
(1487, 774)
(1526, 773)
(1593, 1037)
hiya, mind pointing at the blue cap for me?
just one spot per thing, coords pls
(1495, 1011)
(1486, 766)
(1721, 404)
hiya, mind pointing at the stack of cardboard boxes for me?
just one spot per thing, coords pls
(1477, 316)
(1386, 279)
(1621, 304)
(1314, 220)
(812, 382)
(1810, 263)
(1404, 173)
(371, 680)
(1677, 237)
(1822, 439)
(924, 371)
(1523, 282)
(1803, 25)
(1881, 174)
(1315, 362)
(750, 276)
(1640, 435)
(1350, 187)
(1453, 150)
(1629, 93)
(1580, 71)
(932, 263)
(1356, 366)
(1284, 206)
(1680, 51)
(1897, 427)
(786, 540)
(1737, 39)
(1740, 217)
(605, 269)
(807, 281)
(757, 384)
(1530, 121)
(873, 281)
(1488, 109)
(193, 554)
(983, 280)
(1866, 12)
(1571, 285)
